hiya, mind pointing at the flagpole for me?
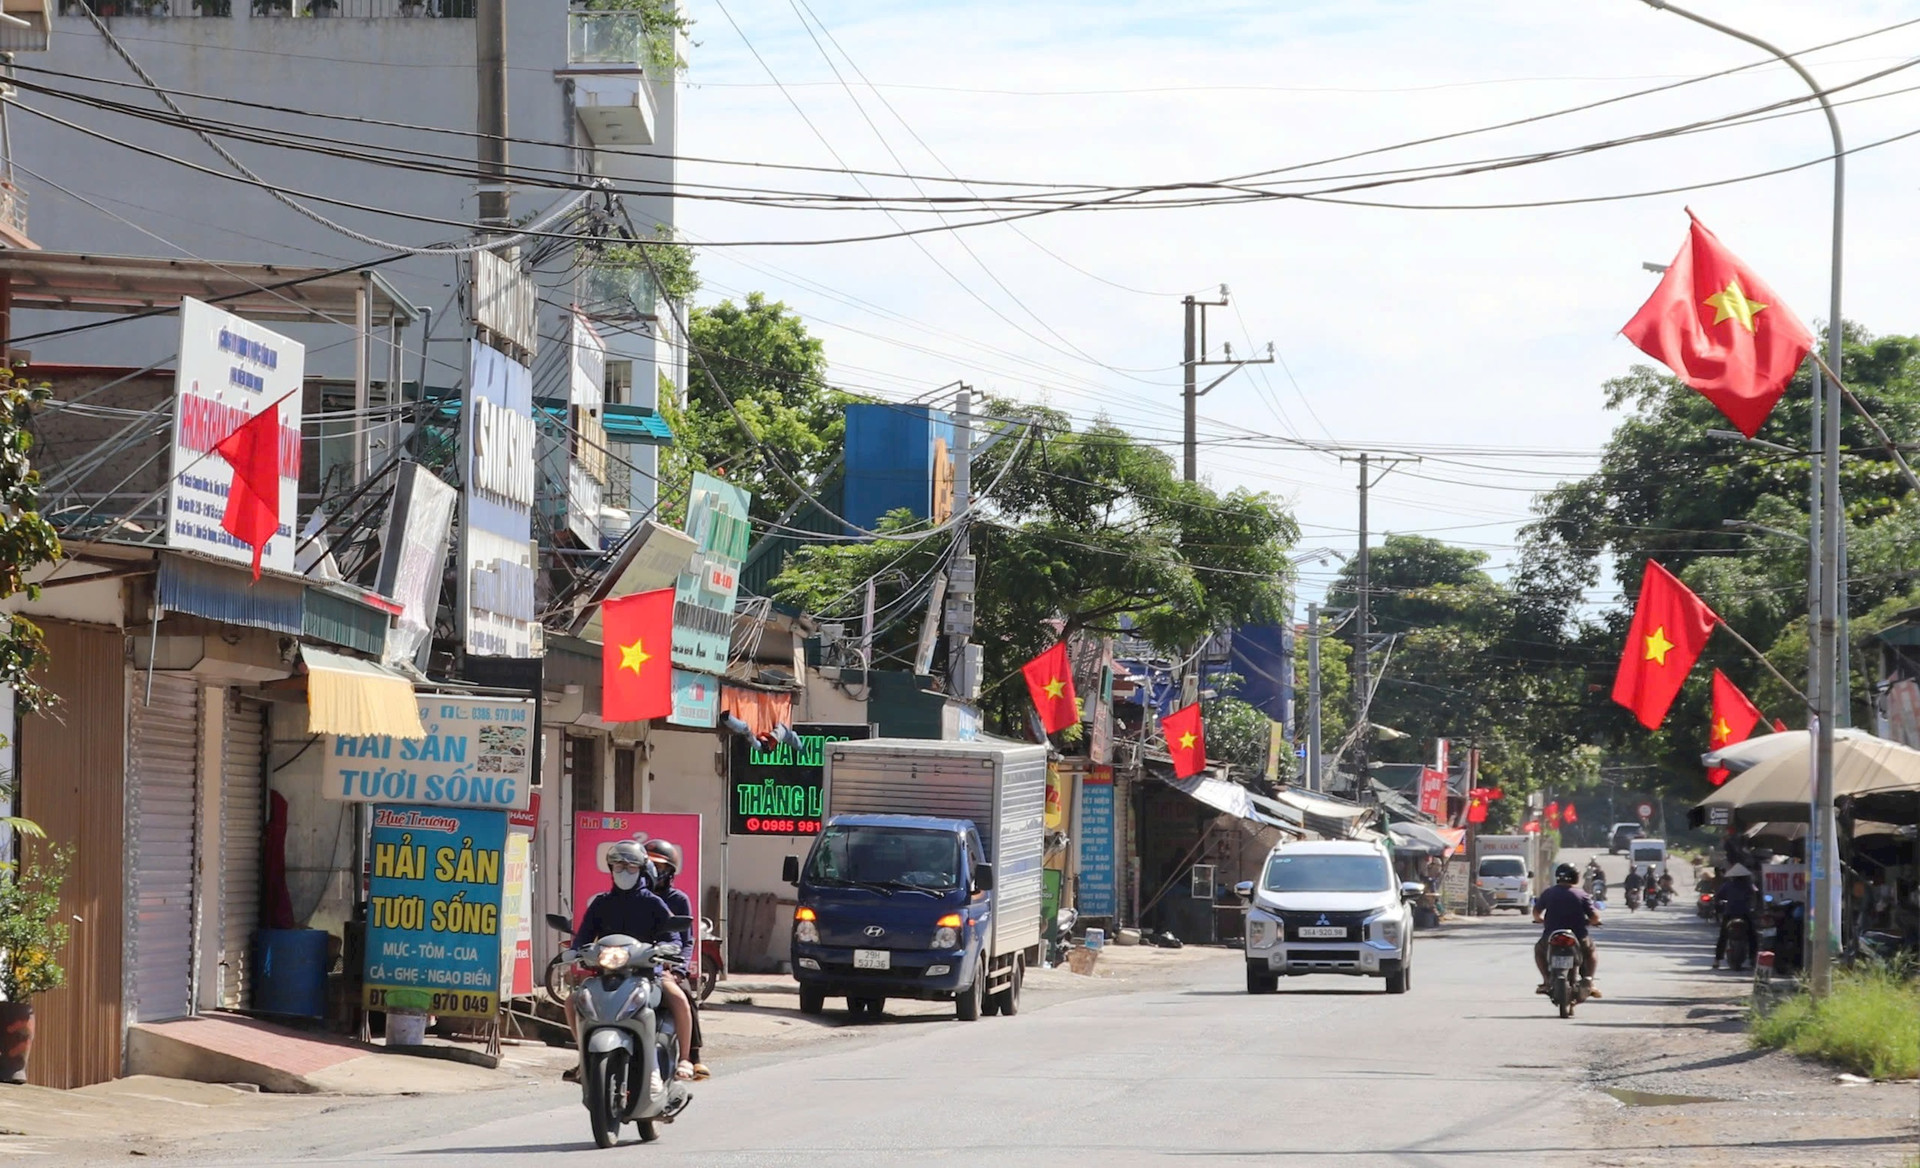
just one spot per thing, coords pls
(1762, 659)
(1826, 680)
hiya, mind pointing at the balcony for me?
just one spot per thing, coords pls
(13, 217)
(606, 52)
(32, 38)
(618, 292)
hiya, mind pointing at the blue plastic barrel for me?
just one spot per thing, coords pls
(290, 972)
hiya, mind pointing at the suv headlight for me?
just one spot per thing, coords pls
(1389, 929)
(1260, 932)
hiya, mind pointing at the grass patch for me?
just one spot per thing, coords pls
(1869, 1024)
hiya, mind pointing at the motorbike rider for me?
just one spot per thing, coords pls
(1666, 887)
(1634, 882)
(1566, 906)
(1733, 900)
(631, 909)
(666, 865)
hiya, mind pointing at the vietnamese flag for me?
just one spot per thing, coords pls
(1569, 816)
(1721, 330)
(636, 667)
(1734, 717)
(1050, 683)
(253, 500)
(1186, 740)
(1670, 627)
(1553, 814)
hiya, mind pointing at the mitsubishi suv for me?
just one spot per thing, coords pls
(1329, 906)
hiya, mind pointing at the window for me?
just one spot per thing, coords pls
(886, 856)
(1327, 873)
(1503, 866)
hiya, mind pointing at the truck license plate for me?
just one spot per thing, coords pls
(1335, 932)
(872, 959)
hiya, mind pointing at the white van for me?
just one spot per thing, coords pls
(1504, 882)
(1642, 852)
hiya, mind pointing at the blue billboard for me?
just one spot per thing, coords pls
(433, 910)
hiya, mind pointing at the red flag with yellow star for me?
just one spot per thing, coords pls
(1050, 682)
(1721, 330)
(1670, 627)
(1734, 717)
(636, 667)
(1186, 740)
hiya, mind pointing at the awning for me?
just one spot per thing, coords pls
(346, 695)
(1231, 798)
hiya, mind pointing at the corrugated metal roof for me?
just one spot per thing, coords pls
(339, 620)
(230, 595)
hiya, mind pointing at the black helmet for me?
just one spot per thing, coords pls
(1566, 874)
(665, 855)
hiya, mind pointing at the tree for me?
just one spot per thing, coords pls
(784, 424)
(1081, 529)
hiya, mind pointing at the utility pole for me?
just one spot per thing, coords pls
(1194, 356)
(1313, 696)
(1363, 614)
(490, 31)
(960, 585)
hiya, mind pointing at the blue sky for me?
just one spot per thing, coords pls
(1487, 331)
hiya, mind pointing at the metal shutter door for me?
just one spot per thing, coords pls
(163, 755)
(242, 815)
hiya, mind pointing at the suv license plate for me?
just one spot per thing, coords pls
(1334, 932)
(872, 959)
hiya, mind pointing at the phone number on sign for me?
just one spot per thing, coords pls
(783, 826)
(449, 1003)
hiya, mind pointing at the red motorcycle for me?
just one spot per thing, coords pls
(713, 966)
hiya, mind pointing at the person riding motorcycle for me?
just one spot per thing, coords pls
(1566, 906)
(631, 909)
(1734, 902)
(666, 864)
(1634, 883)
(1666, 887)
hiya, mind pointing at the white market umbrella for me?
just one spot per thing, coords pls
(1878, 773)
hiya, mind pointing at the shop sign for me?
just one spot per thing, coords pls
(505, 301)
(1098, 891)
(587, 468)
(478, 752)
(413, 555)
(780, 791)
(596, 831)
(1784, 881)
(516, 927)
(230, 370)
(696, 699)
(1433, 792)
(433, 911)
(1058, 783)
(704, 594)
(497, 568)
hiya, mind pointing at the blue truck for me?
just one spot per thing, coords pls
(925, 880)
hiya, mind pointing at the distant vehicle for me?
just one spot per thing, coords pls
(1329, 907)
(1623, 834)
(1505, 882)
(1643, 852)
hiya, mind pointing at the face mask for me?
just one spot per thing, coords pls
(665, 881)
(625, 881)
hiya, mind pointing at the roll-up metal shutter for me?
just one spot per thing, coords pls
(242, 816)
(163, 754)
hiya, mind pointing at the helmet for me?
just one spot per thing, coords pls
(629, 854)
(1566, 874)
(664, 854)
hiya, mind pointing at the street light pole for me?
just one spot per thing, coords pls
(1829, 687)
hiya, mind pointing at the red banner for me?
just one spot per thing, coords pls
(1433, 792)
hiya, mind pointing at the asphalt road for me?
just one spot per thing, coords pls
(1469, 1068)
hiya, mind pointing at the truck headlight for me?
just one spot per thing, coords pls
(1259, 932)
(946, 932)
(805, 930)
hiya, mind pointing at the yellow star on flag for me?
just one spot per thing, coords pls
(1187, 740)
(1658, 645)
(1055, 688)
(1732, 304)
(634, 656)
(1722, 731)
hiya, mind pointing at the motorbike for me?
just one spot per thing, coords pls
(1633, 897)
(628, 1046)
(713, 964)
(1705, 906)
(1739, 943)
(1565, 987)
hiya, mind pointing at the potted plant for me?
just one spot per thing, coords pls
(32, 932)
(322, 7)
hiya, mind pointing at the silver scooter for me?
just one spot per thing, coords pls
(629, 1049)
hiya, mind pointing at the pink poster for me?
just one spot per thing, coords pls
(596, 831)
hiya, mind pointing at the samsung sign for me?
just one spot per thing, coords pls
(497, 565)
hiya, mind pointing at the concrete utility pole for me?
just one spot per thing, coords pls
(490, 32)
(962, 499)
(1313, 696)
(1194, 357)
(1363, 613)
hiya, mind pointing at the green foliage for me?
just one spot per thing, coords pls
(672, 264)
(32, 927)
(774, 372)
(662, 24)
(27, 540)
(1238, 734)
(1869, 1024)
(1085, 528)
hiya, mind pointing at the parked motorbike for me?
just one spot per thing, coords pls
(1783, 929)
(1739, 943)
(1565, 987)
(1059, 938)
(1705, 906)
(629, 1048)
(713, 964)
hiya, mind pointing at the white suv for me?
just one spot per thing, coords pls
(1329, 906)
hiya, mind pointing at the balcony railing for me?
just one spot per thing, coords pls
(285, 9)
(13, 208)
(618, 291)
(607, 38)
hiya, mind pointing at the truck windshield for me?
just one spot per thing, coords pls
(1327, 874)
(1503, 866)
(887, 856)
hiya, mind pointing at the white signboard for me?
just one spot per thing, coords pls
(230, 370)
(497, 565)
(505, 301)
(1784, 881)
(587, 468)
(413, 554)
(478, 752)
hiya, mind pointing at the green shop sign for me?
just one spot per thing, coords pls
(779, 791)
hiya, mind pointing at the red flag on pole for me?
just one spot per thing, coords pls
(1568, 815)
(1721, 330)
(636, 668)
(1050, 684)
(1670, 627)
(1734, 717)
(1553, 814)
(1186, 740)
(253, 501)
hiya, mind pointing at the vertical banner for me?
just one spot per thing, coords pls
(596, 831)
(497, 571)
(516, 928)
(1098, 893)
(1058, 784)
(433, 911)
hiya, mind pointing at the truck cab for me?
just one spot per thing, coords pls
(1329, 907)
(891, 906)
